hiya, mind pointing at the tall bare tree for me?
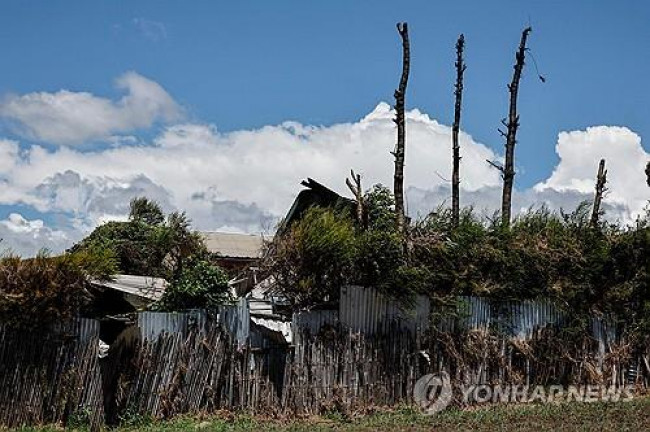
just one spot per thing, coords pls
(400, 120)
(601, 180)
(455, 176)
(508, 169)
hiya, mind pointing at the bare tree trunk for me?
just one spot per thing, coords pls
(508, 170)
(400, 120)
(601, 180)
(647, 173)
(455, 176)
(355, 187)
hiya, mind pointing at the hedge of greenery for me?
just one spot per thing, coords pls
(547, 254)
(39, 291)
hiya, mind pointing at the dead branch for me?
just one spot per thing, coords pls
(496, 165)
(601, 180)
(354, 184)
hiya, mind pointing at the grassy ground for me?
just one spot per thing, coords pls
(631, 415)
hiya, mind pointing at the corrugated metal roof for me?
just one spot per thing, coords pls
(233, 245)
(140, 286)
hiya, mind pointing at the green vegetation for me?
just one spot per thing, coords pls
(199, 285)
(39, 291)
(631, 415)
(326, 249)
(148, 244)
(152, 244)
(556, 255)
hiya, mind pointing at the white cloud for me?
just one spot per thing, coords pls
(260, 169)
(26, 237)
(580, 153)
(70, 118)
(246, 180)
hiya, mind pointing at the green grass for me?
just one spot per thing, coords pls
(631, 415)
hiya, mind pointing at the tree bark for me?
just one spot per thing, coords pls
(601, 180)
(647, 173)
(508, 170)
(455, 176)
(400, 121)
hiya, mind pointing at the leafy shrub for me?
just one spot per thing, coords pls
(199, 285)
(40, 291)
(314, 258)
(147, 244)
(548, 254)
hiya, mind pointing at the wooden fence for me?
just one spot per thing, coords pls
(56, 377)
(50, 376)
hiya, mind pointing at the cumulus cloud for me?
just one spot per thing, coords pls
(70, 118)
(580, 153)
(243, 179)
(246, 180)
(26, 237)
(95, 198)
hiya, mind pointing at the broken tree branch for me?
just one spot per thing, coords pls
(355, 187)
(601, 180)
(511, 135)
(400, 121)
(496, 165)
(455, 176)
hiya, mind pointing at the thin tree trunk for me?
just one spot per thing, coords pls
(601, 180)
(511, 135)
(647, 173)
(400, 120)
(455, 176)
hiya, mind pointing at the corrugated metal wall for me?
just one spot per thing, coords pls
(153, 324)
(236, 319)
(314, 320)
(364, 309)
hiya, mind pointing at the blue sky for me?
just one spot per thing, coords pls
(234, 66)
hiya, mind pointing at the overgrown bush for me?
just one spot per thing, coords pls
(548, 254)
(327, 249)
(152, 244)
(314, 258)
(199, 285)
(148, 244)
(44, 290)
